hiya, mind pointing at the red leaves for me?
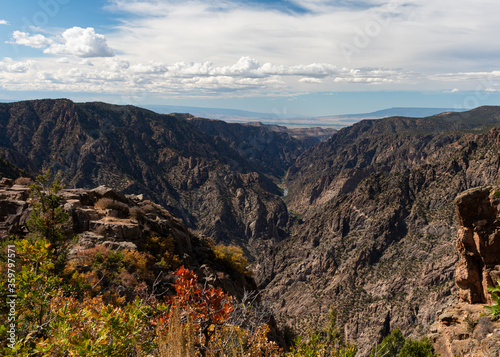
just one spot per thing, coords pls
(206, 305)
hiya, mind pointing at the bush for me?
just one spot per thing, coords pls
(413, 348)
(232, 257)
(108, 203)
(329, 342)
(23, 181)
(395, 345)
(495, 307)
(163, 250)
(137, 213)
(390, 346)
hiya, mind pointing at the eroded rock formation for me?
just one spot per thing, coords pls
(478, 243)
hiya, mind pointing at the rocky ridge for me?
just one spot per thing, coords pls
(117, 228)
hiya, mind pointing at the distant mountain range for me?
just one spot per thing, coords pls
(242, 116)
(231, 115)
(292, 120)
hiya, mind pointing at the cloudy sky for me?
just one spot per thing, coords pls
(308, 57)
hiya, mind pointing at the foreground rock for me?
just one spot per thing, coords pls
(464, 330)
(106, 217)
(478, 243)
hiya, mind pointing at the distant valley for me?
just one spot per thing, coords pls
(333, 121)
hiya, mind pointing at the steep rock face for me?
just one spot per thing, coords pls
(465, 329)
(390, 145)
(378, 225)
(478, 243)
(267, 151)
(198, 177)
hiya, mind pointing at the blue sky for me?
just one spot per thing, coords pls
(305, 57)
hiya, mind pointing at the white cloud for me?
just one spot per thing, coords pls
(426, 35)
(310, 80)
(117, 64)
(86, 62)
(245, 77)
(149, 68)
(76, 41)
(81, 42)
(10, 66)
(201, 47)
(36, 41)
(4, 22)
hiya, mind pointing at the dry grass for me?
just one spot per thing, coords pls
(23, 181)
(108, 203)
(178, 341)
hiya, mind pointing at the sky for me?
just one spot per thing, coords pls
(294, 57)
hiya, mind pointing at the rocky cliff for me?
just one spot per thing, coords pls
(213, 184)
(478, 243)
(465, 329)
(377, 232)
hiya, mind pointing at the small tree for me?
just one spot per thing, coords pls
(207, 307)
(48, 220)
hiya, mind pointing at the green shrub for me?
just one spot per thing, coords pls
(413, 348)
(329, 342)
(395, 345)
(495, 307)
(390, 346)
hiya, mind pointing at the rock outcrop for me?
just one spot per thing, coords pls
(128, 227)
(478, 243)
(464, 330)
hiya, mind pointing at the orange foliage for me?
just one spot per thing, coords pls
(206, 305)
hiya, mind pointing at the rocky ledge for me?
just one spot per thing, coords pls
(105, 217)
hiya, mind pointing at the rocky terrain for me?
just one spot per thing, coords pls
(130, 224)
(224, 186)
(478, 243)
(368, 225)
(465, 330)
(377, 238)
